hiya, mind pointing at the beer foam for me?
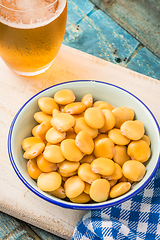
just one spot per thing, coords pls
(30, 5)
(8, 3)
(34, 8)
(26, 5)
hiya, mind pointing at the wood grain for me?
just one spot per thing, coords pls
(138, 17)
(15, 229)
(91, 30)
(97, 34)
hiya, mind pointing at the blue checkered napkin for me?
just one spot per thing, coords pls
(135, 219)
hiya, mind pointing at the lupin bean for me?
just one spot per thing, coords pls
(42, 129)
(82, 198)
(84, 142)
(130, 111)
(70, 150)
(34, 151)
(94, 117)
(34, 131)
(59, 193)
(54, 136)
(110, 121)
(117, 174)
(75, 108)
(120, 155)
(85, 151)
(74, 186)
(139, 150)
(120, 189)
(63, 122)
(32, 169)
(82, 125)
(104, 148)
(99, 190)
(121, 116)
(42, 117)
(68, 166)
(65, 174)
(146, 139)
(87, 188)
(103, 166)
(97, 103)
(53, 154)
(132, 130)
(44, 165)
(64, 96)
(30, 141)
(116, 136)
(49, 181)
(103, 105)
(133, 170)
(87, 100)
(47, 104)
(86, 174)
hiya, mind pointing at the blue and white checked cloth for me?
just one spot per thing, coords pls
(135, 219)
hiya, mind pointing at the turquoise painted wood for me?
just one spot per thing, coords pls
(98, 35)
(139, 17)
(145, 62)
(91, 30)
(11, 228)
(78, 10)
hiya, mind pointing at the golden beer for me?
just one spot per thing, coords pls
(30, 42)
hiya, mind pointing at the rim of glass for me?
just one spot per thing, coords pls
(25, 11)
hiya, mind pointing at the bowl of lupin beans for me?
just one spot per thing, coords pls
(84, 144)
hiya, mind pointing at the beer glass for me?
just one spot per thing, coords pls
(31, 33)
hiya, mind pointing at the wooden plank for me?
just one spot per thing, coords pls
(11, 228)
(91, 30)
(140, 18)
(70, 64)
(145, 62)
(78, 10)
(97, 34)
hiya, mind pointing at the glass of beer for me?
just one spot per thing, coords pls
(31, 33)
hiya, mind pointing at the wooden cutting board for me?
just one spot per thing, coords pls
(70, 64)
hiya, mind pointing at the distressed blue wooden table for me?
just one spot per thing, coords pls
(93, 28)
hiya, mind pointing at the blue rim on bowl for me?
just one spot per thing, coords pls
(107, 95)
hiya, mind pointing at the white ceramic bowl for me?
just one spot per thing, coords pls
(23, 122)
